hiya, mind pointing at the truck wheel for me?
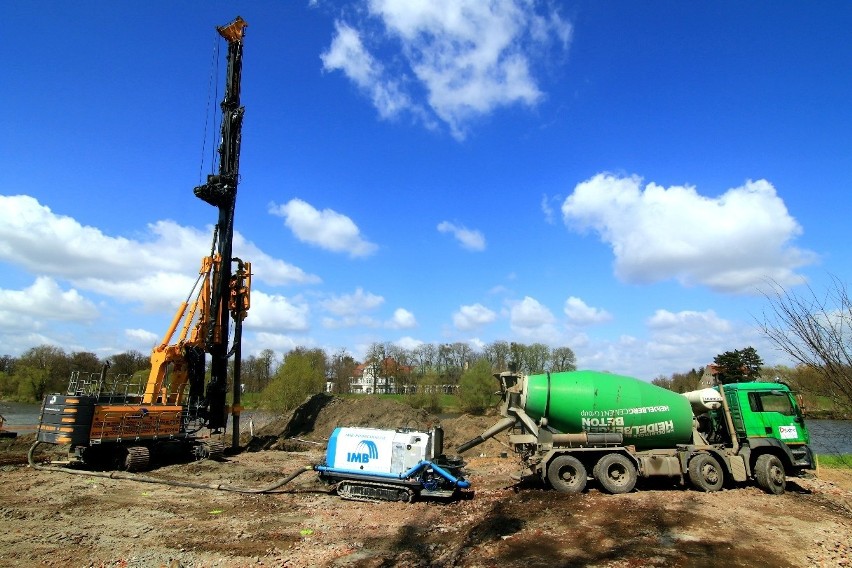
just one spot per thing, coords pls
(769, 474)
(567, 474)
(705, 473)
(616, 474)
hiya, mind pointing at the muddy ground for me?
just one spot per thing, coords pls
(57, 519)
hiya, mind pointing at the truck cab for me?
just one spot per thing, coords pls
(768, 421)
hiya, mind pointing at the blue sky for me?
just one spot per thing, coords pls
(620, 178)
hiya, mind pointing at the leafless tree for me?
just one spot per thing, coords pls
(815, 332)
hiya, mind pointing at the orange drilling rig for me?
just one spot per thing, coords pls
(119, 422)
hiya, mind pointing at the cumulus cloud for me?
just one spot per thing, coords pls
(352, 304)
(276, 313)
(468, 57)
(402, 319)
(136, 270)
(733, 243)
(326, 229)
(408, 342)
(580, 313)
(45, 300)
(531, 319)
(468, 238)
(675, 342)
(473, 317)
(350, 310)
(143, 337)
(279, 342)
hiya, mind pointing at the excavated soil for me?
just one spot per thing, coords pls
(57, 519)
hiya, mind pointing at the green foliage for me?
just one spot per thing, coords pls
(681, 382)
(562, 359)
(429, 397)
(302, 374)
(128, 363)
(739, 365)
(476, 388)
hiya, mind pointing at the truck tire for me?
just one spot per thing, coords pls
(616, 473)
(769, 474)
(567, 474)
(705, 473)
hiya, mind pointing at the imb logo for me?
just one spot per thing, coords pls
(365, 451)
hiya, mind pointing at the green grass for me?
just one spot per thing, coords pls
(835, 461)
(248, 400)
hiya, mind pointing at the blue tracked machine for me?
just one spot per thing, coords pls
(371, 464)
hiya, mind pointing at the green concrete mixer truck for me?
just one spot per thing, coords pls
(568, 425)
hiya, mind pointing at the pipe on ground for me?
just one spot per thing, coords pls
(173, 482)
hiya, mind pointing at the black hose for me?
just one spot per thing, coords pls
(176, 483)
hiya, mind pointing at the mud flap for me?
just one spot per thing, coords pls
(738, 468)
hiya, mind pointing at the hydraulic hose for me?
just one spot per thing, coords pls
(173, 482)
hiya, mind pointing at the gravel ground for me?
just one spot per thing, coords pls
(56, 519)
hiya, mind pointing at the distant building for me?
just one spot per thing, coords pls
(710, 378)
(381, 378)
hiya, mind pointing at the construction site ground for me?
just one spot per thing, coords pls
(58, 519)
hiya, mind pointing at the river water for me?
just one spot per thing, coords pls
(827, 436)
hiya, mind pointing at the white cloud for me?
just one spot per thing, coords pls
(350, 310)
(469, 57)
(352, 304)
(580, 313)
(45, 300)
(468, 238)
(273, 271)
(143, 337)
(272, 312)
(157, 291)
(473, 317)
(547, 209)
(157, 270)
(326, 229)
(402, 319)
(531, 319)
(347, 54)
(408, 343)
(675, 343)
(733, 243)
(278, 342)
(664, 320)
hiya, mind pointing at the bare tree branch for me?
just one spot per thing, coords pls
(815, 332)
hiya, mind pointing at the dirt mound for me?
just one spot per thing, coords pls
(465, 427)
(317, 417)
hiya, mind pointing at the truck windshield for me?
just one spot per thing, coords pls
(770, 402)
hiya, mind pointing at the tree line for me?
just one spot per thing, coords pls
(47, 368)
(809, 382)
(303, 371)
(306, 371)
(814, 329)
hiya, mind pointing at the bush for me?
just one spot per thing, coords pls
(428, 395)
(300, 376)
(476, 388)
